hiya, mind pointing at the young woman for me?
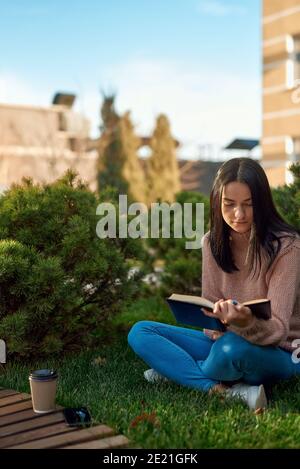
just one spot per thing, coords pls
(249, 253)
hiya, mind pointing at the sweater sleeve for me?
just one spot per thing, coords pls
(283, 288)
(210, 288)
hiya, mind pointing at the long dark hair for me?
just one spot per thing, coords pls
(267, 223)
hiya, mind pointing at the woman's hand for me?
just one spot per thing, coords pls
(216, 335)
(230, 313)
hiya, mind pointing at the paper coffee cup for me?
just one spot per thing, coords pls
(43, 390)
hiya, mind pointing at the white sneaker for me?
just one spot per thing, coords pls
(153, 376)
(254, 396)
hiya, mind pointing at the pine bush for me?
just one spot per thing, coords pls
(59, 283)
(182, 267)
(287, 198)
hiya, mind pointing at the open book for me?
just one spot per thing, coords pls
(187, 310)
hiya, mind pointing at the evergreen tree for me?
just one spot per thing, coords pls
(120, 166)
(287, 198)
(110, 119)
(132, 170)
(109, 116)
(59, 282)
(162, 168)
(111, 163)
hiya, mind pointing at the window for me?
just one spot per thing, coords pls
(296, 154)
(296, 58)
(293, 64)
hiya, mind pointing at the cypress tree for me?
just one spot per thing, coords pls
(162, 166)
(132, 170)
(119, 165)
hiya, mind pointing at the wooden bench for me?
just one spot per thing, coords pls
(21, 428)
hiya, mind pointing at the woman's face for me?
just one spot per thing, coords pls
(237, 210)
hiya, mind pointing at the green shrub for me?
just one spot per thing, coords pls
(182, 267)
(59, 283)
(287, 198)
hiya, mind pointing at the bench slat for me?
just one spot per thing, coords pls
(13, 399)
(7, 392)
(32, 424)
(68, 438)
(118, 441)
(19, 417)
(36, 434)
(15, 408)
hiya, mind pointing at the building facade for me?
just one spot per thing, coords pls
(281, 88)
(42, 143)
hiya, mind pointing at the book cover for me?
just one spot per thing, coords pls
(187, 310)
(192, 315)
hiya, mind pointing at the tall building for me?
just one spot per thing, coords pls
(281, 88)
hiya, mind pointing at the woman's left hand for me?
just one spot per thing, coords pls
(232, 314)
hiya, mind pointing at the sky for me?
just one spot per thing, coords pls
(198, 61)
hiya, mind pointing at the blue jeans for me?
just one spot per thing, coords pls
(190, 358)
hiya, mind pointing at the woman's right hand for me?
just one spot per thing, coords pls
(231, 312)
(214, 335)
(217, 334)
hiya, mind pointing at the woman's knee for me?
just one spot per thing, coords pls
(231, 347)
(136, 335)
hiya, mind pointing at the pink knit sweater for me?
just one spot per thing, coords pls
(281, 284)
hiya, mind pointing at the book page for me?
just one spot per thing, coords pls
(254, 302)
(196, 300)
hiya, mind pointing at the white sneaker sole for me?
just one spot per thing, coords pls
(153, 377)
(258, 400)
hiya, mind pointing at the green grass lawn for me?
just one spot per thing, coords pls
(110, 382)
